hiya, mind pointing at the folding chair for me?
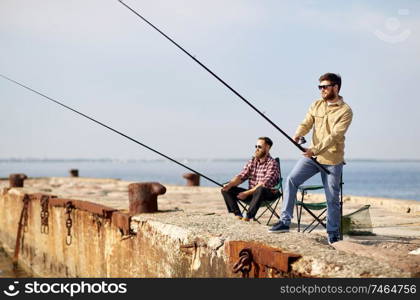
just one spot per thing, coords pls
(267, 204)
(309, 207)
(320, 217)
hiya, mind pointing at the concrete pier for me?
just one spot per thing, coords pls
(92, 234)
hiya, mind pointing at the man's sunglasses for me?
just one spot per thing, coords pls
(258, 147)
(322, 87)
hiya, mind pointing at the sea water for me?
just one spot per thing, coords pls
(390, 179)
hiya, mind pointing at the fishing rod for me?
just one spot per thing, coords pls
(225, 84)
(110, 128)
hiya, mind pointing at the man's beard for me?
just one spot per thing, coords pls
(260, 154)
(330, 96)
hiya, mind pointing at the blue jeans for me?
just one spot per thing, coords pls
(302, 171)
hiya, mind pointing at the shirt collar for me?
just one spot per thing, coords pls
(338, 103)
(263, 160)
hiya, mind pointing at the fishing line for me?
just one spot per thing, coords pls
(224, 83)
(110, 128)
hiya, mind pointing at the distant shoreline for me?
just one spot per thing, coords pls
(7, 160)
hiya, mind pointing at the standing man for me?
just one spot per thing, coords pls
(329, 117)
(262, 171)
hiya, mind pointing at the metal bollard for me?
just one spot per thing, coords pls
(74, 172)
(142, 197)
(16, 180)
(193, 179)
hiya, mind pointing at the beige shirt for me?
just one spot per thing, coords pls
(329, 123)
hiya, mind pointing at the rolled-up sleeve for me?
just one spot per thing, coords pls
(246, 171)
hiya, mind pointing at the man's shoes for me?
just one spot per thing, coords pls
(246, 218)
(333, 238)
(239, 217)
(279, 227)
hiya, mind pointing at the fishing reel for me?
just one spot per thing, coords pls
(302, 140)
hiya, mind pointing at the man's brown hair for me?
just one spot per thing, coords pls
(333, 78)
(267, 140)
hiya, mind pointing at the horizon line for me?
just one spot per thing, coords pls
(28, 159)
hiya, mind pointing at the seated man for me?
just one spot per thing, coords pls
(262, 171)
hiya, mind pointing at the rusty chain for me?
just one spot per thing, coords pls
(25, 213)
(44, 214)
(69, 222)
(22, 227)
(98, 221)
(244, 263)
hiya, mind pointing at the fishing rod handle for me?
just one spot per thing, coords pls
(313, 158)
(321, 166)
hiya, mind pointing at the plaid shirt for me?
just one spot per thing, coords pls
(265, 172)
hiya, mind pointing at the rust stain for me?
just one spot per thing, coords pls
(189, 248)
(5, 190)
(122, 221)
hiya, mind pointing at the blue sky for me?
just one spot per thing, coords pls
(96, 56)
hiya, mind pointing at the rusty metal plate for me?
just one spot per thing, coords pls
(94, 208)
(263, 255)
